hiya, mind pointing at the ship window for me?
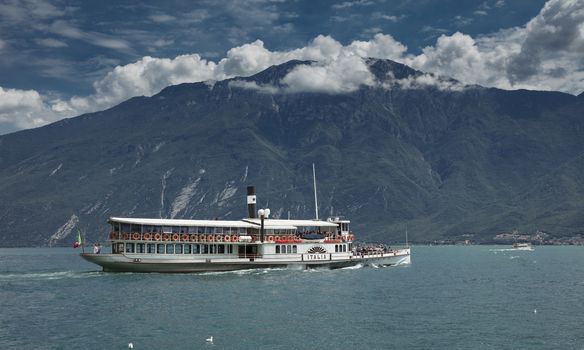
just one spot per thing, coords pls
(221, 249)
(344, 247)
(277, 249)
(218, 229)
(178, 249)
(336, 248)
(196, 249)
(118, 248)
(150, 248)
(294, 249)
(140, 247)
(187, 249)
(160, 248)
(209, 230)
(204, 249)
(212, 248)
(129, 247)
(230, 248)
(170, 249)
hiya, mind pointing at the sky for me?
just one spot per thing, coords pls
(63, 58)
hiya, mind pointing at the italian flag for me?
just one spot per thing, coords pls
(78, 243)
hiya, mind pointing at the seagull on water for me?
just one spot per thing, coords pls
(130, 346)
(209, 340)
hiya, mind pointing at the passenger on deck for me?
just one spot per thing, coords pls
(96, 248)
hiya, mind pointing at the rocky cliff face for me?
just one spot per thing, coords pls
(416, 150)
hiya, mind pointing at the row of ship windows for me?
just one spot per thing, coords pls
(292, 249)
(117, 227)
(159, 248)
(340, 248)
(286, 249)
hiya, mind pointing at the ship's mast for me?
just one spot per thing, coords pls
(315, 198)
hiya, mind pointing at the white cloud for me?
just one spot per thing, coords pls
(342, 75)
(252, 85)
(145, 77)
(67, 30)
(50, 42)
(423, 81)
(348, 4)
(162, 18)
(545, 54)
(24, 109)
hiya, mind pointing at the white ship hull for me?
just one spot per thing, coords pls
(180, 264)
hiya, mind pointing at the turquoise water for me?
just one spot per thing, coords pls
(474, 297)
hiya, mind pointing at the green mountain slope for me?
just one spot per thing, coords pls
(442, 162)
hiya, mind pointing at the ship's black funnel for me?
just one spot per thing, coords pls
(251, 202)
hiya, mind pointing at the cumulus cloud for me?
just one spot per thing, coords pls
(24, 109)
(145, 77)
(556, 33)
(342, 75)
(543, 54)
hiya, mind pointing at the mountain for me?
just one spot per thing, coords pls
(442, 159)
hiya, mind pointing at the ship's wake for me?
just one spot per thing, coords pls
(48, 276)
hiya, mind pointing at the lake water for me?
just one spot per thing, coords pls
(476, 297)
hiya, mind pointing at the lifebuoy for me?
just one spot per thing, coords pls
(227, 238)
(135, 236)
(166, 237)
(210, 238)
(112, 235)
(125, 236)
(194, 238)
(147, 236)
(202, 238)
(184, 237)
(157, 236)
(175, 237)
(219, 238)
(234, 238)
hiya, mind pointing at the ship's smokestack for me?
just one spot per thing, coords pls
(251, 202)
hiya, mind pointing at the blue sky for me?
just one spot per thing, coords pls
(62, 58)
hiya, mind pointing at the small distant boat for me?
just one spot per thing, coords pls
(522, 246)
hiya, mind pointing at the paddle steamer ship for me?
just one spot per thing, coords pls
(169, 245)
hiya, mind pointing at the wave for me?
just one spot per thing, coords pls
(354, 267)
(510, 250)
(55, 275)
